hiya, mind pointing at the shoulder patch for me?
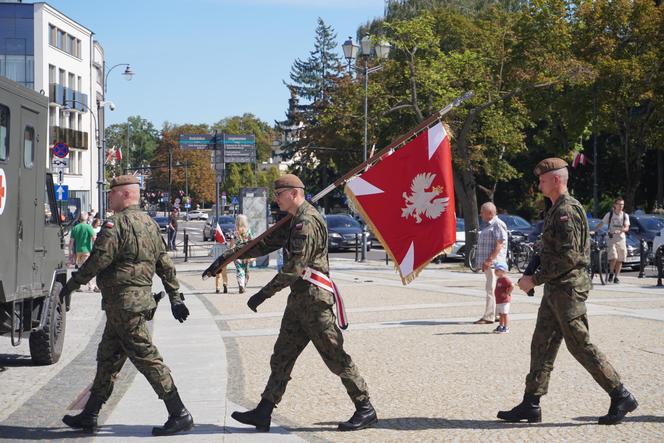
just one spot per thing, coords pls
(564, 218)
(109, 224)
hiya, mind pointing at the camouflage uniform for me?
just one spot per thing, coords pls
(308, 315)
(562, 313)
(127, 252)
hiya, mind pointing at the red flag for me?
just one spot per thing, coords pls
(408, 201)
(118, 154)
(219, 235)
(110, 155)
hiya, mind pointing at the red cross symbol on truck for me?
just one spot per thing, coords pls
(2, 191)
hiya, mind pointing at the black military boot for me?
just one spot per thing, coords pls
(364, 416)
(87, 419)
(179, 419)
(622, 402)
(529, 409)
(261, 417)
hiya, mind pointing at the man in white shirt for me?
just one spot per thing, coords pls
(617, 222)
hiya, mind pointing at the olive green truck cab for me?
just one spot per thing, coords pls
(32, 261)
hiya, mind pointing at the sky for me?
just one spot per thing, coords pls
(198, 61)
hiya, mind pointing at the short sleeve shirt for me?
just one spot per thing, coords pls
(616, 223)
(493, 232)
(82, 234)
(503, 291)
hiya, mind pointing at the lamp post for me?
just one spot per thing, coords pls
(186, 180)
(366, 48)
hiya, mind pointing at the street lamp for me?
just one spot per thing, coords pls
(186, 180)
(100, 148)
(128, 74)
(381, 51)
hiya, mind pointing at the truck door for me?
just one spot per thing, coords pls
(28, 283)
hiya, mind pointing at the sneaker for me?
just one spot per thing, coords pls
(498, 330)
(610, 278)
(505, 330)
(615, 280)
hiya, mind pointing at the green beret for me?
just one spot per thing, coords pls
(288, 181)
(548, 165)
(122, 180)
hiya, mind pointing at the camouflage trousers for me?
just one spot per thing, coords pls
(311, 319)
(553, 325)
(126, 335)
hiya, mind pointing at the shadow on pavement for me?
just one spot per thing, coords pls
(628, 418)
(466, 333)
(273, 430)
(14, 361)
(424, 423)
(118, 431)
(428, 323)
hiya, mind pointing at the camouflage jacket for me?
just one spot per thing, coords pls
(128, 251)
(565, 250)
(304, 241)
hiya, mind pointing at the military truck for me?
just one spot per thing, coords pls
(32, 267)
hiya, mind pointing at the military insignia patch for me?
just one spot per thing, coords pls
(109, 224)
(564, 218)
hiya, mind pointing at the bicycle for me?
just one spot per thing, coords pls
(519, 253)
(599, 263)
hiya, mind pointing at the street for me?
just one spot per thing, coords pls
(432, 374)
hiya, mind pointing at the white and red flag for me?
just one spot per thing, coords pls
(219, 235)
(408, 201)
(579, 159)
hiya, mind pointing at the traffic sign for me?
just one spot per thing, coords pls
(60, 150)
(196, 141)
(235, 201)
(62, 192)
(59, 164)
(239, 148)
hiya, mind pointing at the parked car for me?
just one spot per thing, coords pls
(162, 221)
(342, 230)
(197, 214)
(519, 227)
(645, 226)
(459, 247)
(226, 223)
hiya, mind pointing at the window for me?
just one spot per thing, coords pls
(51, 34)
(73, 166)
(60, 39)
(72, 82)
(51, 116)
(78, 48)
(80, 83)
(51, 74)
(4, 132)
(28, 147)
(69, 48)
(50, 206)
(62, 77)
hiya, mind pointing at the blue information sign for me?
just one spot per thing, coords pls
(62, 192)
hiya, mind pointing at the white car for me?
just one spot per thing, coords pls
(459, 247)
(658, 241)
(197, 214)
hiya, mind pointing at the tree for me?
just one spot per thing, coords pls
(200, 172)
(138, 139)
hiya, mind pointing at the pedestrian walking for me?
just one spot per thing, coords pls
(491, 248)
(81, 238)
(242, 234)
(172, 229)
(308, 315)
(565, 255)
(127, 253)
(617, 222)
(503, 294)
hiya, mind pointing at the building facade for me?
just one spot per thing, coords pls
(45, 50)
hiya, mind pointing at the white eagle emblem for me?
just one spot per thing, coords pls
(423, 202)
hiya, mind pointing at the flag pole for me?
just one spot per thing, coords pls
(216, 266)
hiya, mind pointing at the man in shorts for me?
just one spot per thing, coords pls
(617, 222)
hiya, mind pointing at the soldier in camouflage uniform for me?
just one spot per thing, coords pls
(562, 313)
(308, 315)
(128, 251)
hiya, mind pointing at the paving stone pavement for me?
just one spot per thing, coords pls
(432, 374)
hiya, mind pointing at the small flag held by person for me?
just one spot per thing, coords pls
(219, 235)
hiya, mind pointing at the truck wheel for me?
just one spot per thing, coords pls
(47, 342)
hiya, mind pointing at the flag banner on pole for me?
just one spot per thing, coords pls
(579, 159)
(219, 235)
(407, 199)
(111, 155)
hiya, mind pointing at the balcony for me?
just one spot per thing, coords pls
(72, 137)
(61, 95)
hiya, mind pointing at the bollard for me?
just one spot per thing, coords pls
(387, 259)
(357, 250)
(643, 246)
(659, 261)
(186, 246)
